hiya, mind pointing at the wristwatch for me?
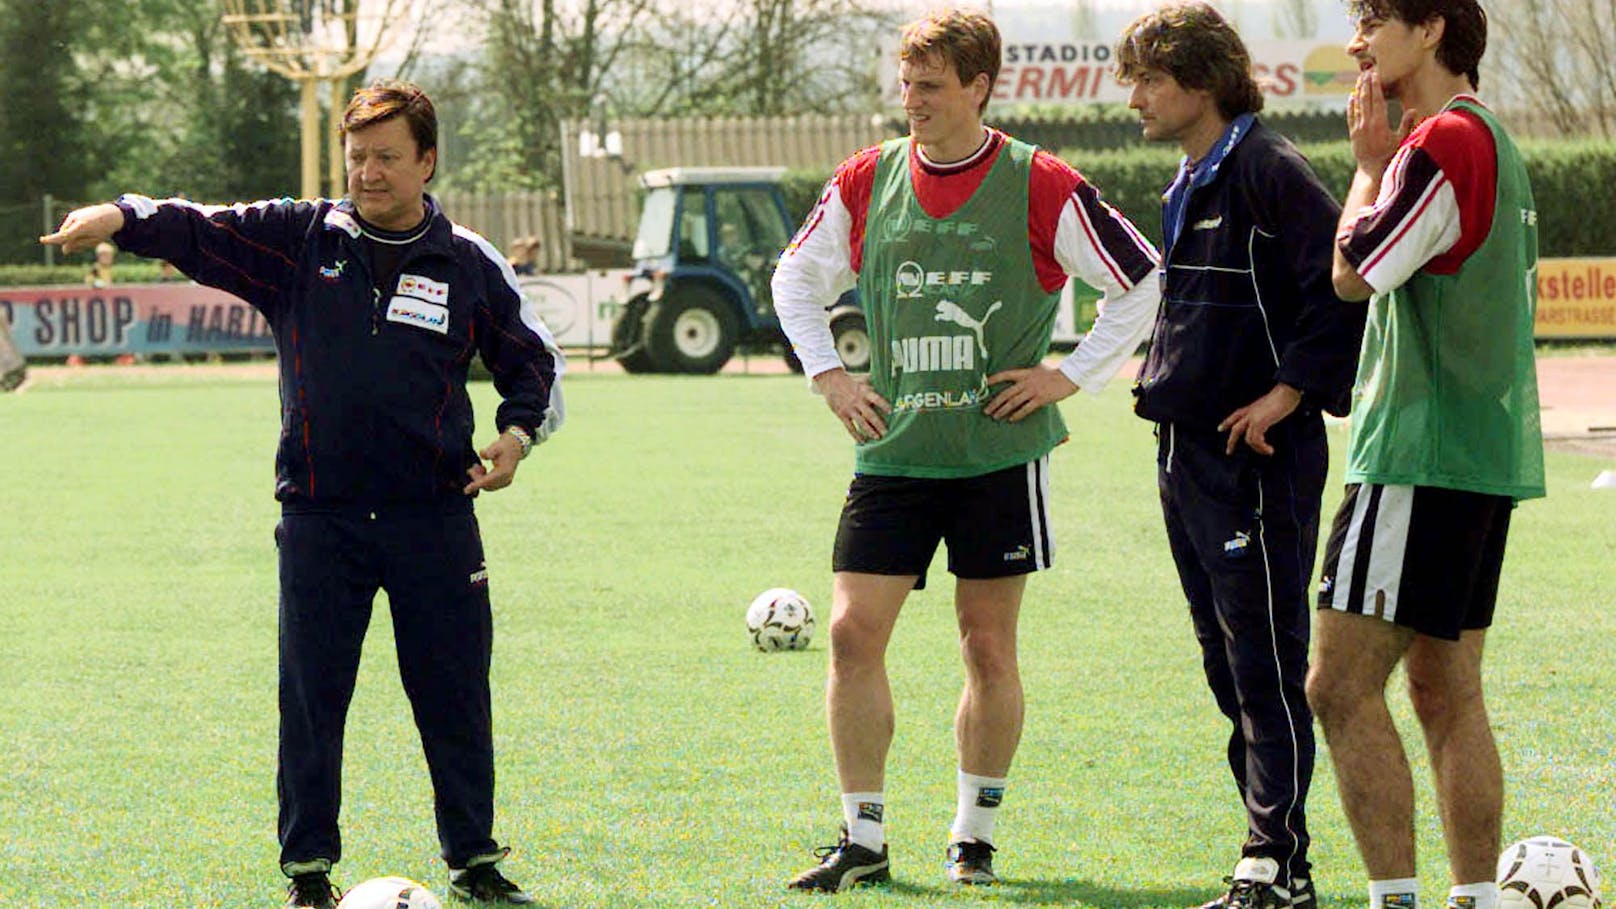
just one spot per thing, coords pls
(522, 436)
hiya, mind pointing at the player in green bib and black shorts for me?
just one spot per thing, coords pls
(959, 239)
(1439, 232)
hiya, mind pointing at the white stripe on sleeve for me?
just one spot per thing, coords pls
(556, 411)
(1430, 229)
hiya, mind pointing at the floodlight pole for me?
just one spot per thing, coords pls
(333, 136)
(294, 38)
(310, 114)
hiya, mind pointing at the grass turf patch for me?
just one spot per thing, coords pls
(647, 756)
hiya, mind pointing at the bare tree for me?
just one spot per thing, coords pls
(545, 61)
(807, 56)
(1557, 57)
(1296, 18)
(1085, 24)
(762, 58)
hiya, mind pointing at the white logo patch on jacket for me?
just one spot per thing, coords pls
(423, 289)
(421, 302)
(411, 311)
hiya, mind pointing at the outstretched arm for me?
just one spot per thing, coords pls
(84, 227)
(249, 250)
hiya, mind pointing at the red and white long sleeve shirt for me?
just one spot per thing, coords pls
(1435, 206)
(1072, 232)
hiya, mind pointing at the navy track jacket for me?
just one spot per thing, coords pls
(1246, 294)
(374, 409)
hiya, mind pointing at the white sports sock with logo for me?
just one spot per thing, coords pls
(864, 813)
(1395, 893)
(978, 805)
(1482, 895)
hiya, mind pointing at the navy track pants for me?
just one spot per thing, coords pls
(1243, 529)
(431, 565)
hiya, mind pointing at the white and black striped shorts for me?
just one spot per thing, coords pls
(1423, 557)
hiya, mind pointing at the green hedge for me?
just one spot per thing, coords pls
(1566, 178)
(1113, 126)
(128, 270)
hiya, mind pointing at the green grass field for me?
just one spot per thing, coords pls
(647, 756)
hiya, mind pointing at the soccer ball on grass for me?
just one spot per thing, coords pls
(1546, 872)
(780, 619)
(389, 893)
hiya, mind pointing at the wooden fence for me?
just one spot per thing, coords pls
(504, 216)
(605, 190)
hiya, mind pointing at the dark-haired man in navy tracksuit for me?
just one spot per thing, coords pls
(378, 303)
(1249, 346)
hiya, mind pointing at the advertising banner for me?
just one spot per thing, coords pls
(578, 308)
(185, 318)
(1083, 72)
(131, 318)
(1576, 298)
(1064, 53)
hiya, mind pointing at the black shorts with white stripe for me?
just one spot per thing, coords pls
(1423, 557)
(996, 524)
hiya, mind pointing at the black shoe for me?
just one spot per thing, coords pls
(843, 866)
(970, 862)
(311, 891)
(1250, 895)
(14, 380)
(1302, 895)
(484, 884)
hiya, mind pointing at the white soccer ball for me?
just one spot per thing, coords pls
(389, 893)
(1546, 872)
(780, 619)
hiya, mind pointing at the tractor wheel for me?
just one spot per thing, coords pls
(852, 337)
(628, 336)
(693, 330)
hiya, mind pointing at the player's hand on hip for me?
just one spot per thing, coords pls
(1250, 424)
(84, 227)
(1029, 389)
(505, 453)
(860, 407)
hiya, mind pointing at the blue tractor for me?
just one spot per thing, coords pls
(705, 251)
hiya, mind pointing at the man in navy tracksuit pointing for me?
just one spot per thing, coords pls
(1250, 344)
(378, 303)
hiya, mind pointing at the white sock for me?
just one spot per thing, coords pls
(1482, 895)
(1396, 893)
(978, 805)
(864, 812)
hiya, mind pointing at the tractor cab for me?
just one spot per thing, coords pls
(708, 241)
